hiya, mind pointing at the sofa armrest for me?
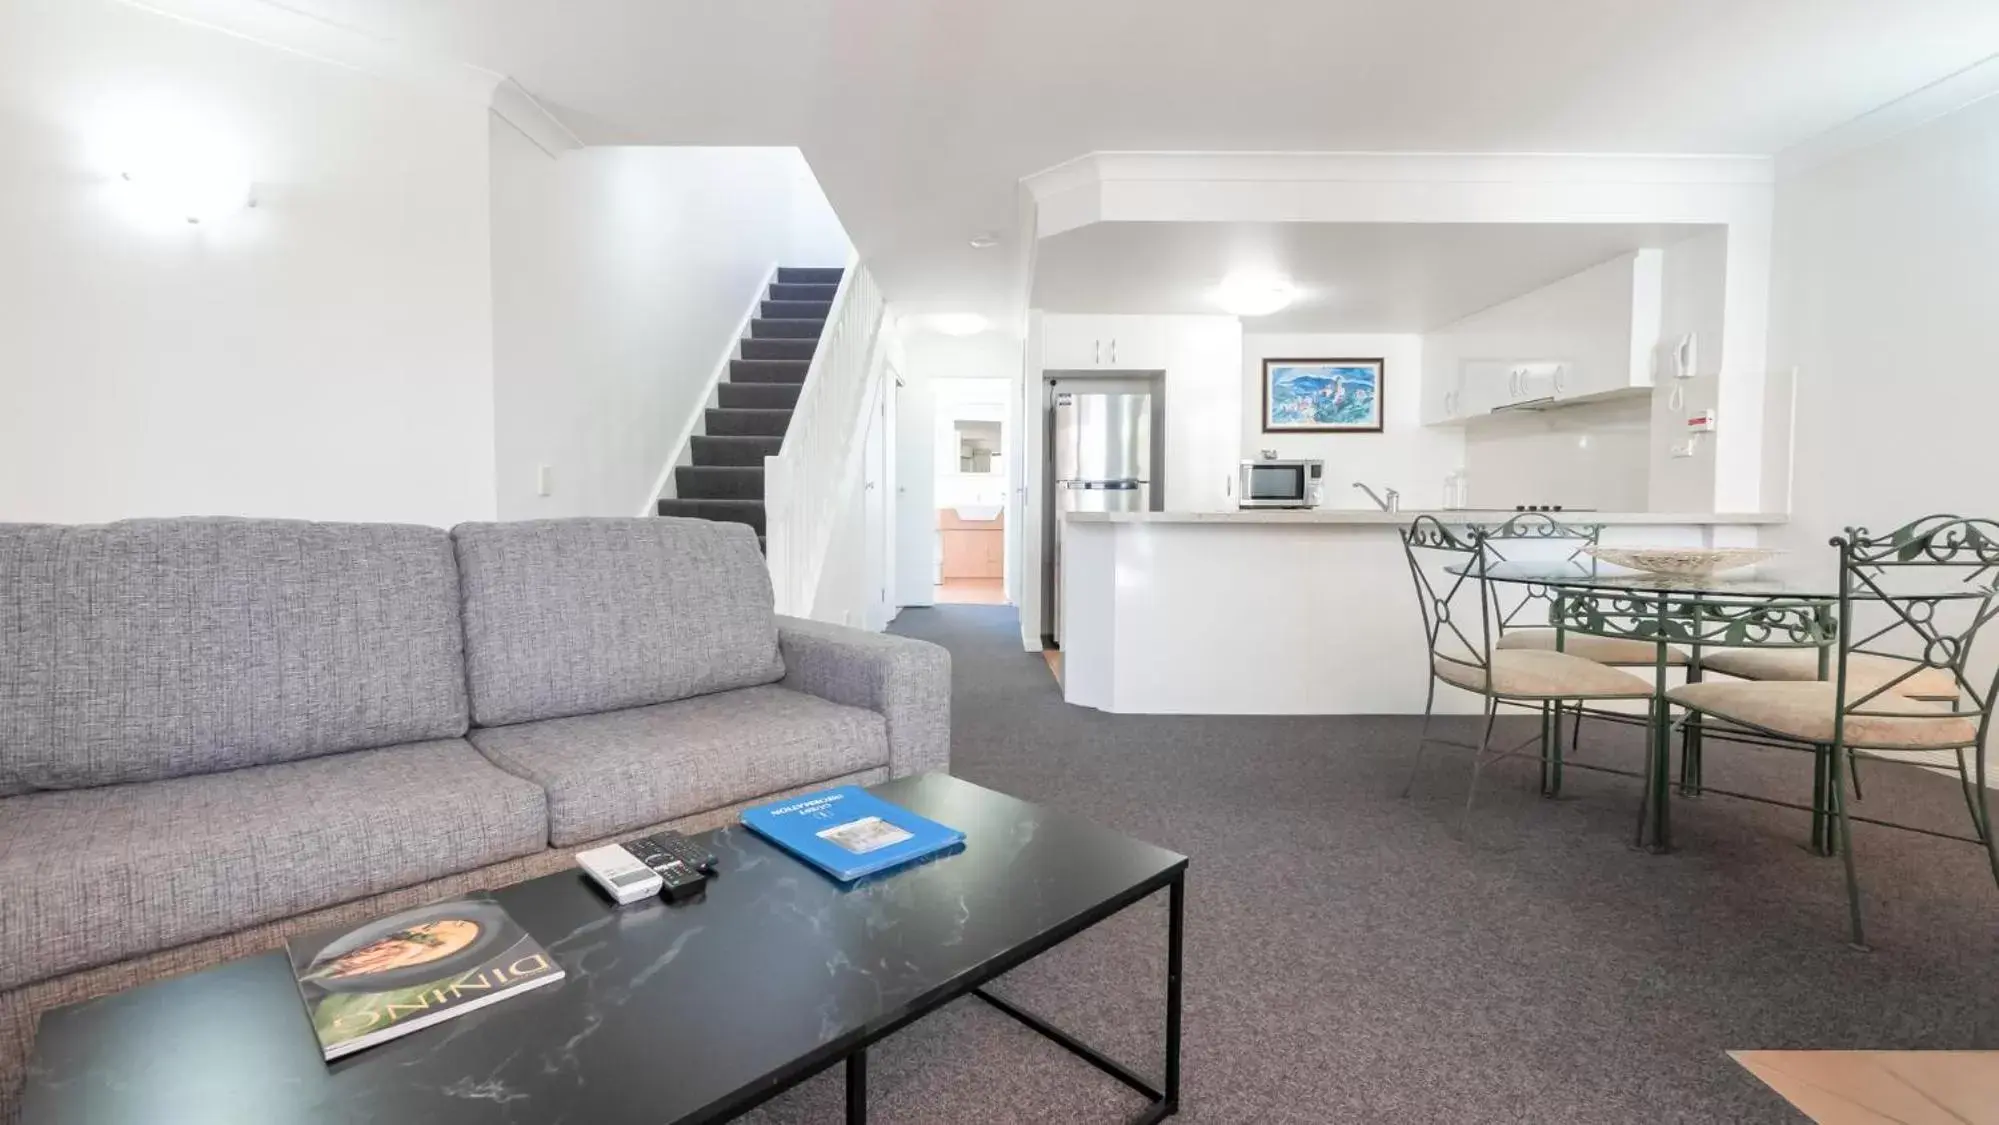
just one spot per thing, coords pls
(907, 682)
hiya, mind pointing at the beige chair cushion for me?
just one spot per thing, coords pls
(1864, 671)
(1525, 674)
(1804, 710)
(1603, 650)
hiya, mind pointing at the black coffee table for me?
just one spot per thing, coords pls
(686, 1013)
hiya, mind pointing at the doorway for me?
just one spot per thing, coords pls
(973, 442)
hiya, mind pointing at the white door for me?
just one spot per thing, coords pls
(874, 514)
(891, 521)
(915, 494)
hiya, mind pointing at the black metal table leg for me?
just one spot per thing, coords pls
(1163, 1100)
(1176, 912)
(857, 1087)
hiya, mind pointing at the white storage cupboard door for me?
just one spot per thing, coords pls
(1137, 343)
(1074, 343)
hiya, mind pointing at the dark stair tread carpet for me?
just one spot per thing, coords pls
(1349, 959)
(768, 348)
(768, 370)
(804, 291)
(730, 449)
(770, 328)
(722, 511)
(798, 310)
(759, 396)
(720, 482)
(754, 403)
(809, 275)
(747, 423)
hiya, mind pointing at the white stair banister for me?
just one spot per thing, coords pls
(823, 446)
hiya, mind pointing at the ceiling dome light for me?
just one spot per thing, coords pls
(985, 241)
(959, 324)
(1255, 296)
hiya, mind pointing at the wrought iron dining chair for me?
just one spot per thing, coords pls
(1448, 567)
(1526, 623)
(1869, 706)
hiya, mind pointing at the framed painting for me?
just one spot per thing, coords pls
(1322, 396)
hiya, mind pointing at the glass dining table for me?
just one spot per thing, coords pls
(1769, 606)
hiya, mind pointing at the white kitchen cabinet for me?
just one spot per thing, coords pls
(1204, 404)
(1106, 343)
(1443, 385)
(1201, 357)
(1585, 336)
(1620, 357)
(1502, 384)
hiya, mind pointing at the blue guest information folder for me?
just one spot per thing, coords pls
(847, 832)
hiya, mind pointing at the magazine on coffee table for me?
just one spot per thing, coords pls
(370, 983)
(848, 832)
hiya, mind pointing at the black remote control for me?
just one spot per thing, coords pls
(677, 880)
(657, 849)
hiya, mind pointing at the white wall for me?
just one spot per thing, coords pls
(1591, 455)
(325, 355)
(1406, 455)
(1692, 298)
(621, 277)
(1887, 262)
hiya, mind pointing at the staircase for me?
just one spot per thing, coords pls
(754, 403)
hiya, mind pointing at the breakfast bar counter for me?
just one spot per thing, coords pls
(1398, 519)
(1278, 612)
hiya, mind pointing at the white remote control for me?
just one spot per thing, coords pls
(620, 873)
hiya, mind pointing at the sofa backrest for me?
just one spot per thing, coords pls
(569, 617)
(149, 649)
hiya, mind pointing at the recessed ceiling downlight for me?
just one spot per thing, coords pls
(959, 324)
(1255, 296)
(985, 241)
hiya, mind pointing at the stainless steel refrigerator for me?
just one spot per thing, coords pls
(1100, 451)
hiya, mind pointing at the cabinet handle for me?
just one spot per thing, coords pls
(1561, 383)
(1114, 349)
(1097, 356)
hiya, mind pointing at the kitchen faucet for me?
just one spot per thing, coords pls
(1393, 502)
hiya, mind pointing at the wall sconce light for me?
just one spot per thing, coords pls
(174, 168)
(192, 194)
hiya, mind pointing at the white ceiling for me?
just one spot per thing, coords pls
(920, 116)
(1352, 277)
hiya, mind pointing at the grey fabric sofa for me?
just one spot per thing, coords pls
(216, 733)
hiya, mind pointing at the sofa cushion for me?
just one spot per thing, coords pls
(97, 875)
(621, 770)
(152, 649)
(570, 617)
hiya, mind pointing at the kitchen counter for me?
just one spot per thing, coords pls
(1280, 612)
(1369, 516)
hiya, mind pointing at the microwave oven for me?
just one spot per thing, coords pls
(1280, 484)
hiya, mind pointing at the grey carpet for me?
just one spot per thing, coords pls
(1349, 959)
